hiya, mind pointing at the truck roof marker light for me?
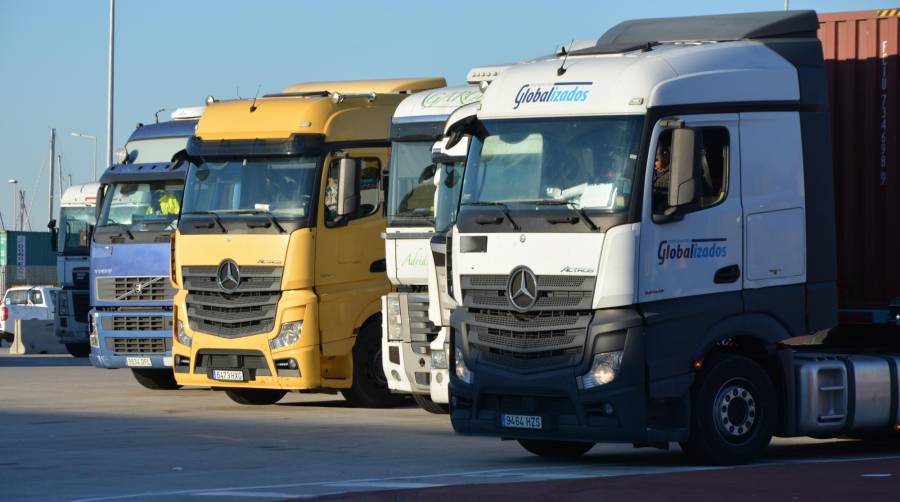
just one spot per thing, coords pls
(698, 363)
(897, 427)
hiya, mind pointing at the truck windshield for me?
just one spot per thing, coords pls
(410, 196)
(448, 195)
(74, 231)
(588, 162)
(281, 187)
(141, 207)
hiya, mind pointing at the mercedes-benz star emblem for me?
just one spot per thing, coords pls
(522, 289)
(229, 275)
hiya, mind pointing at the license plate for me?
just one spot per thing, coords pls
(228, 375)
(521, 421)
(138, 362)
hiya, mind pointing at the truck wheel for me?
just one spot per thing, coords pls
(78, 349)
(733, 412)
(370, 389)
(156, 379)
(556, 449)
(255, 397)
(430, 406)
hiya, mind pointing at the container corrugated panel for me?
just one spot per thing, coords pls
(39, 275)
(26, 249)
(861, 62)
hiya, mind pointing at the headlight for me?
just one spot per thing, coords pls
(94, 337)
(289, 335)
(63, 307)
(182, 337)
(462, 372)
(394, 319)
(439, 360)
(603, 370)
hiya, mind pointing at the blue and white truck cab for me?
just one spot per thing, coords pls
(138, 208)
(410, 337)
(71, 241)
(643, 226)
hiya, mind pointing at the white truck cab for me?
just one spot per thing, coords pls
(410, 337)
(642, 224)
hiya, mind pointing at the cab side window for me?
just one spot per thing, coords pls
(35, 297)
(369, 182)
(714, 158)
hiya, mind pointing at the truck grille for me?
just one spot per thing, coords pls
(135, 289)
(421, 330)
(125, 345)
(248, 310)
(136, 323)
(553, 330)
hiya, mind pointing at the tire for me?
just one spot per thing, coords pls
(556, 449)
(255, 397)
(733, 412)
(156, 379)
(78, 349)
(430, 406)
(370, 389)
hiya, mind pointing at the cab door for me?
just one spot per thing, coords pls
(350, 266)
(698, 250)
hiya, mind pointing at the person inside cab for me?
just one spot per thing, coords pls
(164, 202)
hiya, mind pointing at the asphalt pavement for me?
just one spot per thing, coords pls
(69, 431)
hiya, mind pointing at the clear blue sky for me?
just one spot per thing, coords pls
(172, 53)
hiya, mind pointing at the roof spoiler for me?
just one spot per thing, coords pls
(644, 33)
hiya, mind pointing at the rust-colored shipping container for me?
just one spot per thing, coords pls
(861, 62)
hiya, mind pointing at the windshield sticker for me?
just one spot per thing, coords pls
(557, 92)
(453, 99)
(691, 249)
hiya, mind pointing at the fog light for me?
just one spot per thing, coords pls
(608, 409)
(289, 335)
(604, 369)
(462, 372)
(439, 360)
(394, 319)
(182, 337)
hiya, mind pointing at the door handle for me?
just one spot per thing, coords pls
(727, 275)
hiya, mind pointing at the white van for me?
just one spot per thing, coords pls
(26, 303)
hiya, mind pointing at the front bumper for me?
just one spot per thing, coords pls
(131, 348)
(615, 412)
(407, 360)
(251, 354)
(68, 330)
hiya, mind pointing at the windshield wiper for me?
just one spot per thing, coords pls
(500, 205)
(571, 205)
(120, 225)
(213, 215)
(265, 213)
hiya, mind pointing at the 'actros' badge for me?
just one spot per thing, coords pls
(228, 276)
(522, 289)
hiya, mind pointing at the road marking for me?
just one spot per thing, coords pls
(231, 493)
(382, 484)
(589, 470)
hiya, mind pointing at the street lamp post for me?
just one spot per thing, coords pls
(15, 200)
(94, 139)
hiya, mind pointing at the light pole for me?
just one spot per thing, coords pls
(109, 88)
(15, 200)
(94, 139)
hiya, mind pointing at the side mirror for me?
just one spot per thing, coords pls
(454, 135)
(347, 196)
(684, 180)
(54, 235)
(427, 173)
(99, 207)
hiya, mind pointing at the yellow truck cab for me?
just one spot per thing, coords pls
(278, 260)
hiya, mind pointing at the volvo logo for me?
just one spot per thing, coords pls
(229, 275)
(522, 289)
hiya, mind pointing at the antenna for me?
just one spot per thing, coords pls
(156, 115)
(562, 67)
(253, 104)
